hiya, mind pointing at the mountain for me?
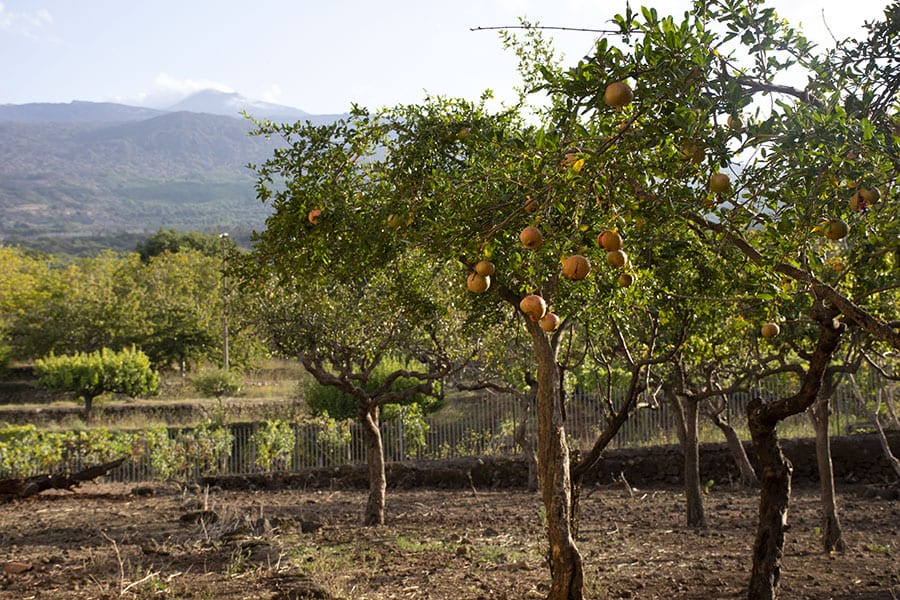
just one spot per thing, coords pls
(87, 169)
(232, 104)
(75, 112)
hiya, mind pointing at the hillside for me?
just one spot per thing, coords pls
(97, 169)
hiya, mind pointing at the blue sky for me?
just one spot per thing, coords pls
(317, 56)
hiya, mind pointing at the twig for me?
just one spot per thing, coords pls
(582, 29)
(621, 478)
(472, 484)
(147, 577)
(118, 560)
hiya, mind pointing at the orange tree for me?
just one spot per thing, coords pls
(674, 121)
(789, 183)
(783, 186)
(363, 314)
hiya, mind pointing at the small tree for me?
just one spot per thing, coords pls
(87, 376)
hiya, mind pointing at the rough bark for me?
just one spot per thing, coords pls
(776, 470)
(686, 412)
(374, 512)
(566, 568)
(832, 535)
(775, 493)
(693, 490)
(23, 487)
(738, 452)
(88, 408)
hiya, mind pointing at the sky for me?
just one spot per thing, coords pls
(319, 56)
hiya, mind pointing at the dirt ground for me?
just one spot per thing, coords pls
(104, 541)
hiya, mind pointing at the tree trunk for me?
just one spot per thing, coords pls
(738, 452)
(776, 469)
(566, 569)
(374, 513)
(88, 408)
(693, 490)
(23, 487)
(522, 438)
(686, 412)
(832, 536)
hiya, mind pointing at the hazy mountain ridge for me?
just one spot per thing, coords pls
(75, 112)
(102, 168)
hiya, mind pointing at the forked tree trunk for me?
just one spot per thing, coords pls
(738, 452)
(832, 536)
(566, 568)
(775, 469)
(374, 513)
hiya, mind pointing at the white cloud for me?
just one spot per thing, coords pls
(168, 90)
(272, 93)
(32, 25)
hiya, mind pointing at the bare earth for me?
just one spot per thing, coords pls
(105, 542)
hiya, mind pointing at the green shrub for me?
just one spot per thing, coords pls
(415, 427)
(216, 383)
(25, 450)
(333, 437)
(274, 445)
(5, 351)
(205, 449)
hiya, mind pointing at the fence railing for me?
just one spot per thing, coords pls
(482, 425)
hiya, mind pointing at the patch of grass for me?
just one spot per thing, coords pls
(314, 560)
(878, 548)
(408, 544)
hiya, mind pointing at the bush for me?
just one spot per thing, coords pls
(201, 450)
(274, 445)
(218, 382)
(25, 450)
(5, 352)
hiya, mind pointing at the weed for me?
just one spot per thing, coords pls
(407, 544)
(878, 548)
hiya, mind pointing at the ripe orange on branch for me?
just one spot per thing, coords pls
(478, 283)
(836, 230)
(770, 330)
(549, 322)
(485, 268)
(719, 183)
(617, 259)
(609, 240)
(618, 94)
(576, 267)
(534, 306)
(531, 237)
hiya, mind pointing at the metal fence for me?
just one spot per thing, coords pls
(482, 425)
